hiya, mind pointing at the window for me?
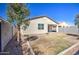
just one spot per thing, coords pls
(40, 26)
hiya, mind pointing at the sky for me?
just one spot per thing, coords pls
(60, 12)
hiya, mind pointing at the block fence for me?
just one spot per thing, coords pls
(70, 51)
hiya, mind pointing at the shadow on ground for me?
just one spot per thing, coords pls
(13, 48)
(77, 53)
(74, 35)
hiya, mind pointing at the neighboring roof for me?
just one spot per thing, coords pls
(0, 17)
(63, 24)
(42, 17)
(2, 20)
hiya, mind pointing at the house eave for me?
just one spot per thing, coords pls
(42, 17)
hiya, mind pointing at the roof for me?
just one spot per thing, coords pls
(63, 24)
(2, 20)
(42, 17)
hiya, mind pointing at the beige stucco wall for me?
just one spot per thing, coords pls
(33, 27)
(6, 33)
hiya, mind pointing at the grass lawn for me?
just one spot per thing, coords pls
(52, 43)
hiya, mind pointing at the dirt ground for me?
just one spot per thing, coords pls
(46, 44)
(53, 43)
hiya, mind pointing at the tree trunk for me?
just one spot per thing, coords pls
(29, 46)
(78, 32)
(18, 34)
(19, 40)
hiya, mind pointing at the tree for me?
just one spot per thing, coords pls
(17, 15)
(77, 21)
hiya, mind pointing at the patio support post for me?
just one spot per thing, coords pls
(0, 35)
(57, 28)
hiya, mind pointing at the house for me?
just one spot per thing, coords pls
(40, 25)
(66, 28)
(6, 33)
(63, 25)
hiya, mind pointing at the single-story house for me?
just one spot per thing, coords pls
(40, 25)
(63, 25)
(6, 33)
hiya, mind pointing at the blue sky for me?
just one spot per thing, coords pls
(60, 12)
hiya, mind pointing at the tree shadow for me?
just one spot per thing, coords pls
(32, 38)
(13, 47)
(77, 53)
(75, 35)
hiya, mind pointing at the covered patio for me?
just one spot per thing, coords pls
(52, 28)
